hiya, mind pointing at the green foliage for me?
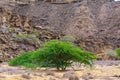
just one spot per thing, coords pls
(55, 53)
(24, 59)
(21, 59)
(118, 52)
(25, 35)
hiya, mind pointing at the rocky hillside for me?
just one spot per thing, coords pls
(17, 35)
(25, 26)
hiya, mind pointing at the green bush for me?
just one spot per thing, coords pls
(55, 53)
(23, 59)
(118, 52)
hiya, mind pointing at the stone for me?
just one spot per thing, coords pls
(26, 76)
(38, 27)
(37, 74)
(118, 76)
(87, 76)
(3, 63)
(108, 78)
(10, 70)
(57, 77)
(68, 74)
(2, 77)
(51, 73)
(2, 70)
(4, 29)
(16, 72)
(73, 77)
(51, 78)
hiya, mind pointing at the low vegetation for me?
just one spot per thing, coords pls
(27, 38)
(118, 52)
(68, 38)
(58, 54)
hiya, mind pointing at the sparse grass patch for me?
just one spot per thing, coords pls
(11, 29)
(68, 38)
(27, 38)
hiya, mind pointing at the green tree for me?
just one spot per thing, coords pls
(59, 54)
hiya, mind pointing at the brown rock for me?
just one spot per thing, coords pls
(51, 73)
(2, 77)
(26, 76)
(68, 74)
(87, 76)
(51, 78)
(73, 78)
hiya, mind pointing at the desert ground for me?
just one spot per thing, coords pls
(102, 70)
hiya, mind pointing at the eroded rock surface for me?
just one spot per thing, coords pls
(17, 35)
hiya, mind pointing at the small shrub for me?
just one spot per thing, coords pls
(11, 29)
(118, 52)
(35, 32)
(68, 38)
(55, 53)
(109, 54)
(27, 38)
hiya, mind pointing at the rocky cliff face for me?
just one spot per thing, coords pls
(94, 23)
(17, 35)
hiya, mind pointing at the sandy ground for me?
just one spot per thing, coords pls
(102, 70)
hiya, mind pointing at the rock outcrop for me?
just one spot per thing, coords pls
(17, 35)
